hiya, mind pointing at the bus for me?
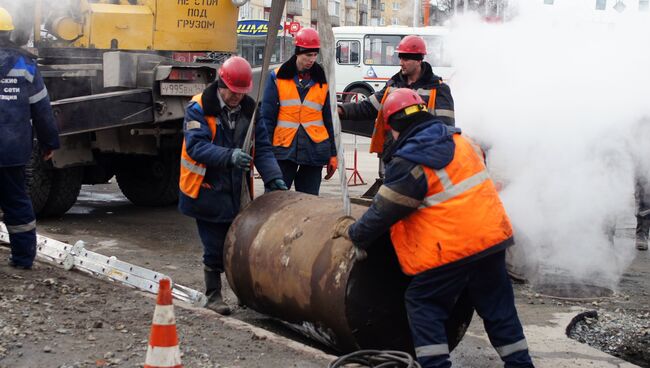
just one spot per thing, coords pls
(366, 58)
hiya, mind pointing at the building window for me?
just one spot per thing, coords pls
(644, 5)
(394, 21)
(395, 5)
(382, 22)
(601, 4)
(381, 7)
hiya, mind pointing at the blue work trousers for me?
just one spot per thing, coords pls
(18, 215)
(213, 237)
(306, 177)
(431, 296)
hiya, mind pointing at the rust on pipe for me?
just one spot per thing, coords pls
(282, 261)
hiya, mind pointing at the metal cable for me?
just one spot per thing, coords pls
(376, 359)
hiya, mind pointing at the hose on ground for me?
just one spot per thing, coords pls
(376, 359)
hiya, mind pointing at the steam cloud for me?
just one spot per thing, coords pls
(560, 94)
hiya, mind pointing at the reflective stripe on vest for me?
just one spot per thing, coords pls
(460, 216)
(294, 113)
(192, 172)
(431, 94)
(379, 131)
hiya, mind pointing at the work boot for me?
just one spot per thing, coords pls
(641, 243)
(18, 266)
(213, 292)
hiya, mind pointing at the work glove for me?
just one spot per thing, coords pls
(331, 167)
(277, 184)
(241, 159)
(342, 229)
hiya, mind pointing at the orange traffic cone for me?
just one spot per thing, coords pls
(163, 351)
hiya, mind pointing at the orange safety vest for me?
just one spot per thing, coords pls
(460, 216)
(193, 172)
(381, 127)
(294, 113)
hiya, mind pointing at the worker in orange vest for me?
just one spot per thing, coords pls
(212, 164)
(296, 112)
(449, 230)
(416, 74)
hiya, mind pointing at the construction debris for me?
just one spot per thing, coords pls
(622, 333)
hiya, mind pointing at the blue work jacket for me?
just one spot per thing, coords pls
(24, 108)
(220, 195)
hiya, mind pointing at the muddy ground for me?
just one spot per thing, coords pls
(53, 318)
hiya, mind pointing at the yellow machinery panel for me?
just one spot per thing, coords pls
(118, 26)
(195, 25)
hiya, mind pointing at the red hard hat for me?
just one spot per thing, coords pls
(237, 75)
(398, 100)
(412, 45)
(308, 38)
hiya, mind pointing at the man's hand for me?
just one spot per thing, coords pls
(277, 184)
(48, 154)
(342, 227)
(241, 159)
(331, 167)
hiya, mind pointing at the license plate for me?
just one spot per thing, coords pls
(181, 89)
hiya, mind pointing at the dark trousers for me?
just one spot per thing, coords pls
(643, 209)
(431, 296)
(307, 177)
(213, 237)
(18, 215)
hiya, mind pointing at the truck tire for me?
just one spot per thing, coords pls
(66, 184)
(38, 174)
(151, 181)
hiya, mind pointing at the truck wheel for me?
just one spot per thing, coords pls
(151, 181)
(38, 175)
(363, 94)
(66, 184)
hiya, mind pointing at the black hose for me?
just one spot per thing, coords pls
(376, 359)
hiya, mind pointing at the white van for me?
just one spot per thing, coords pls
(366, 58)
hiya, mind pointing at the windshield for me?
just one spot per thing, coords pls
(380, 50)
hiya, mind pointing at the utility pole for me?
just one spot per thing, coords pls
(416, 18)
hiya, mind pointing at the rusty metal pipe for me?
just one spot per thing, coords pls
(281, 261)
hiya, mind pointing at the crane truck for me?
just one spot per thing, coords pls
(119, 74)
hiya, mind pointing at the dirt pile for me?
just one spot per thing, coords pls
(54, 318)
